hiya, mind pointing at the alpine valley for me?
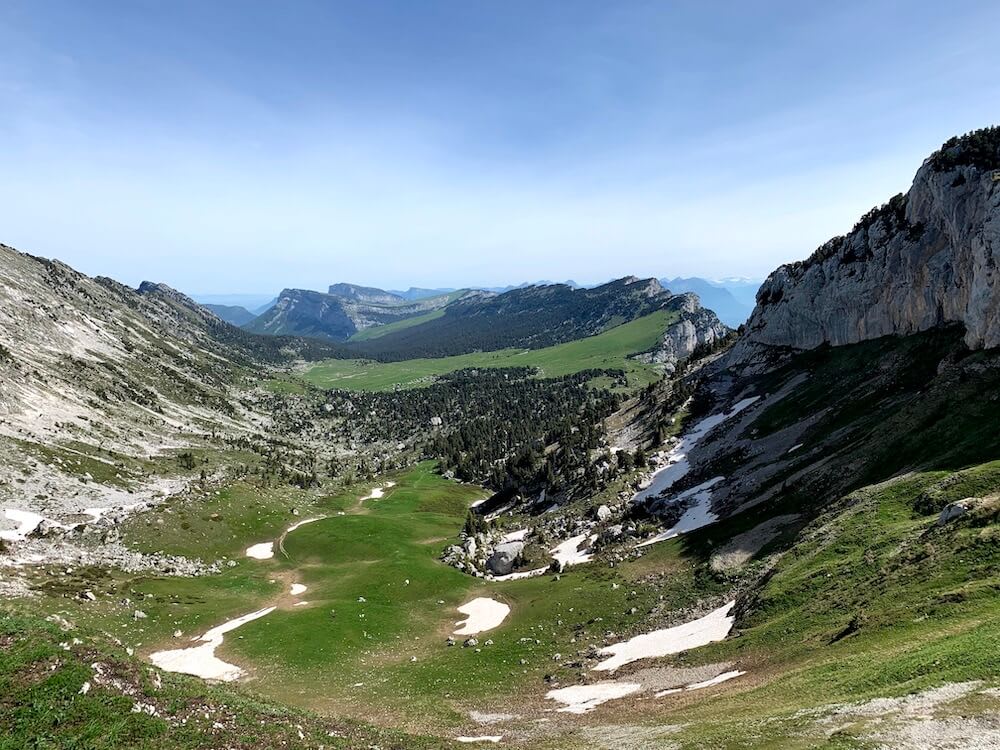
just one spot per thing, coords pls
(548, 516)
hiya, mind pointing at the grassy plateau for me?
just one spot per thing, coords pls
(607, 350)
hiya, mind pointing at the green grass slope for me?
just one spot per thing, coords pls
(606, 350)
(874, 600)
(78, 689)
(400, 325)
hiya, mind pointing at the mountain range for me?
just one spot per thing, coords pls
(548, 517)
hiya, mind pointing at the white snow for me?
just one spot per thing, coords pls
(300, 604)
(262, 551)
(481, 614)
(795, 448)
(698, 515)
(379, 492)
(484, 738)
(303, 522)
(201, 660)
(26, 520)
(568, 552)
(714, 626)
(516, 536)
(668, 691)
(297, 588)
(521, 574)
(265, 550)
(579, 699)
(715, 680)
(677, 458)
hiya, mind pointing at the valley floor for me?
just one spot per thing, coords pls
(879, 629)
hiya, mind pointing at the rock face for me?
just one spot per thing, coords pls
(504, 557)
(695, 328)
(954, 510)
(343, 312)
(925, 259)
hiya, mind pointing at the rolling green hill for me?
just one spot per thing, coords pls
(532, 317)
(607, 350)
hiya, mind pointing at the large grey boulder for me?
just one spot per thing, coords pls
(504, 558)
(954, 510)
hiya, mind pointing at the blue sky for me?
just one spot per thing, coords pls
(249, 146)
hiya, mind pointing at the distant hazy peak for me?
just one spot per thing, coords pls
(369, 294)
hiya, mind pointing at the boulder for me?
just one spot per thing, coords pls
(47, 528)
(504, 557)
(603, 513)
(953, 510)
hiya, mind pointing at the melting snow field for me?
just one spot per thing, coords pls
(698, 515)
(516, 536)
(677, 459)
(201, 660)
(299, 524)
(567, 553)
(714, 626)
(379, 492)
(262, 551)
(297, 588)
(481, 614)
(265, 550)
(677, 466)
(715, 680)
(579, 699)
(26, 523)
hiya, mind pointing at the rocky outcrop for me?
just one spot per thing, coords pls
(694, 328)
(342, 313)
(925, 259)
(504, 557)
(365, 294)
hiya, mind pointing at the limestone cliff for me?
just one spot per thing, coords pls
(695, 328)
(925, 259)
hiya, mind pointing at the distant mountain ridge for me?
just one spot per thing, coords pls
(344, 310)
(716, 296)
(365, 294)
(234, 314)
(530, 317)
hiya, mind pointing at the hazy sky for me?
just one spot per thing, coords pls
(249, 146)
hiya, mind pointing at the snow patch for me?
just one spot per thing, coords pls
(579, 699)
(26, 521)
(262, 551)
(299, 524)
(201, 660)
(481, 614)
(715, 680)
(698, 515)
(494, 738)
(378, 492)
(569, 553)
(677, 464)
(714, 626)
(516, 536)
(297, 588)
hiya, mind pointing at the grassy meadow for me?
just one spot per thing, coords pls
(609, 349)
